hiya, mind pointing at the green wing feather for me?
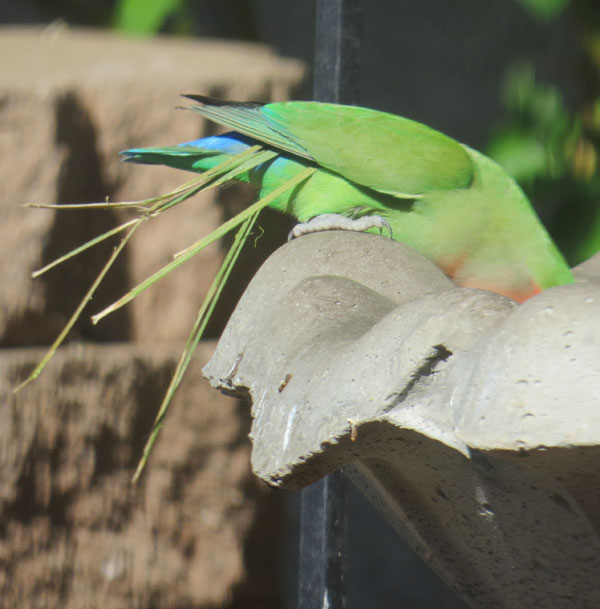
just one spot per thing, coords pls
(385, 152)
(382, 151)
(246, 118)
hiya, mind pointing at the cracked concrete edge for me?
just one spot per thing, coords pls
(338, 330)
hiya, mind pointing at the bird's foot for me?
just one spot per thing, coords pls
(339, 222)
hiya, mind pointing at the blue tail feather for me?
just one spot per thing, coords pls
(228, 143)
(197, 155)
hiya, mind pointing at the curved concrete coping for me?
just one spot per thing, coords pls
(472, 422)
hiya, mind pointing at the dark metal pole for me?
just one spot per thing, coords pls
(337, 51)
(323, 505)
(323, 515)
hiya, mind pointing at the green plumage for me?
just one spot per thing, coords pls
(451, 203)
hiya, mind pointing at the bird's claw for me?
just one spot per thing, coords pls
(339, 222)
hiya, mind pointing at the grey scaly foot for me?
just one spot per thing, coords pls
(338, 222)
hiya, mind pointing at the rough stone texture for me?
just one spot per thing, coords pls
(199, 531)
(69, 101)
(74, 532)
(470, 421)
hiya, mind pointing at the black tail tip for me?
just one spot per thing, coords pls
(206, 100)
(203, 99)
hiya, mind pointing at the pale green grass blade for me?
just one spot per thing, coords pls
(262, 156)
(203, 182)
(206, 179)
(211, 174)
(84, 247)
(236, 220)
(98, 205)
(38, 369)
(258, 157)
(150, 208)
(204, 314)
(199, 245)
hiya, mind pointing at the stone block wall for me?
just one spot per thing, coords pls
(198, 530)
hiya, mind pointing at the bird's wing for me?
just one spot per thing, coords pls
(382, 151)
(246, 118)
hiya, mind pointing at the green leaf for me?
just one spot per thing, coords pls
(522, 155)
(590, 244)
(143, 17)
(545, 9)
(539, 105)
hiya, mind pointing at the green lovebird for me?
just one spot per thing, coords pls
(373, 169)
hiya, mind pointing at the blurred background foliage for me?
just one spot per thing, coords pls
(546, 137)
(143, 17)
(551, 150)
